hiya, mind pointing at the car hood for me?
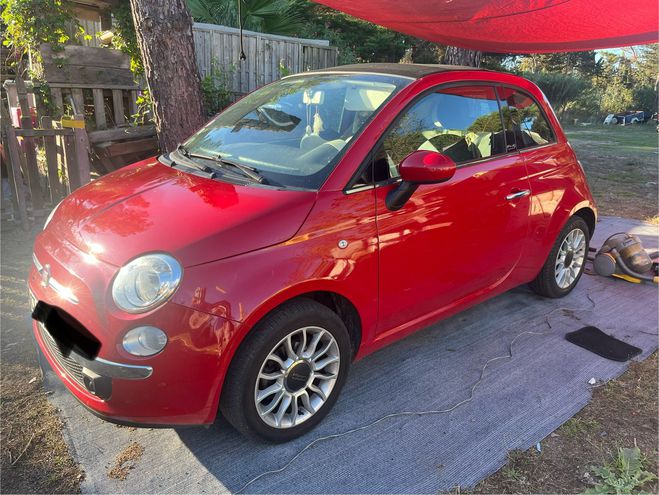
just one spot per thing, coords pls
(149, 207)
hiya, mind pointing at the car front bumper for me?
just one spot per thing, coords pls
(178, 386)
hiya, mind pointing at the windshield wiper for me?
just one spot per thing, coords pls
(250, 172)
(182, 150)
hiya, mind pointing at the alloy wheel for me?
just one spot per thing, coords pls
(570, 258)
(297, 377)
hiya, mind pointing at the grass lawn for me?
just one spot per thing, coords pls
(621, 166)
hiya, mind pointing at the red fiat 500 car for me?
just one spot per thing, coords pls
(311, 223)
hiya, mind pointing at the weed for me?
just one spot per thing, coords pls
(284, 70)
(626, 474)
(513, 474)
(216, 88)
(577, 426)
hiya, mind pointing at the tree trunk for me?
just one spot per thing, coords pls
(462, 56)
(164, 33)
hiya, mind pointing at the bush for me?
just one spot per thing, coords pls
(561, 90)
(645, 98)
(616, 98)
(216, 89)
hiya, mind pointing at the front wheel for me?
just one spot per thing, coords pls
(566, 261)
(288, 372)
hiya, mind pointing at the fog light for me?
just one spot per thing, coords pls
(144, 341)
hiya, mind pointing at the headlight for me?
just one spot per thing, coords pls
(50, 215)
(146, 282)
(144, 341)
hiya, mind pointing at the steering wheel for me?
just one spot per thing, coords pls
(277, 118)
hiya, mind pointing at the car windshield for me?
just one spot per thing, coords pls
(292, 132)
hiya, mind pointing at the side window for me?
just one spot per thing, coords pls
(524, 119)
(462, 122)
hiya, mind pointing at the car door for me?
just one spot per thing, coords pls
(548, 162)
(460, 238)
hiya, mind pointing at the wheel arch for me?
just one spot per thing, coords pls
(345, 309)
(332, 299)
(588, 215)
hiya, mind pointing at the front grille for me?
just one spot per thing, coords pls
(73, 369)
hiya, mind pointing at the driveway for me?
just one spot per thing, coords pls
(518, 402)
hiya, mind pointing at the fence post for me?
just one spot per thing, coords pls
(118, 107)
(82, 152)
(70, 159)
(61, 164)
(78, 101)
(99, 109)
(33, 175)
(14, 168)
(58, 100)
(51, 161)
(15, 179)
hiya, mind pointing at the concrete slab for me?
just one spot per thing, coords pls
(519, 402)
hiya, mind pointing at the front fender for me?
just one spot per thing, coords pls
(245, 288)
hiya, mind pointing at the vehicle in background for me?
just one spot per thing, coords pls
(629, 117)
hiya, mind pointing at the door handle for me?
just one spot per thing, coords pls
(518, 194)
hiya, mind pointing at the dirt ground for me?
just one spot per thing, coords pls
(621, 414)
(33, 455)
(621, 165)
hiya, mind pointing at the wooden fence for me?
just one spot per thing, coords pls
(266, 54)
(65, 167)
(98, 84)
(95, 85)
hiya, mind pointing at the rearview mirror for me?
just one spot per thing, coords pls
(419, 167)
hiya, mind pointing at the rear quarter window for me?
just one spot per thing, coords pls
(524, 118)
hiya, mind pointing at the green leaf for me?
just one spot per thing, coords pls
(625, 475)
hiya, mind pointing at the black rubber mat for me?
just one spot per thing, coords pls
(594, 340)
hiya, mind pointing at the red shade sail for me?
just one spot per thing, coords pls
(514, 26)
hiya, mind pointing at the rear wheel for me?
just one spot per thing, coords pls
(566, 261)
(288, 373)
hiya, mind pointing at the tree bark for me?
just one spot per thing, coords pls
(164, 34)
(462, 56)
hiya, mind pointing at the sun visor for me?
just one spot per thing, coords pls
(360, 99)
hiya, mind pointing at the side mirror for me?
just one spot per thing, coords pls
(419, 167)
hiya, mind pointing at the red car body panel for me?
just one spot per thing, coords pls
(213, 219)
(245, 250)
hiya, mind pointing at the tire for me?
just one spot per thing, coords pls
(300, 320)
(614, 120)
(558, 279)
